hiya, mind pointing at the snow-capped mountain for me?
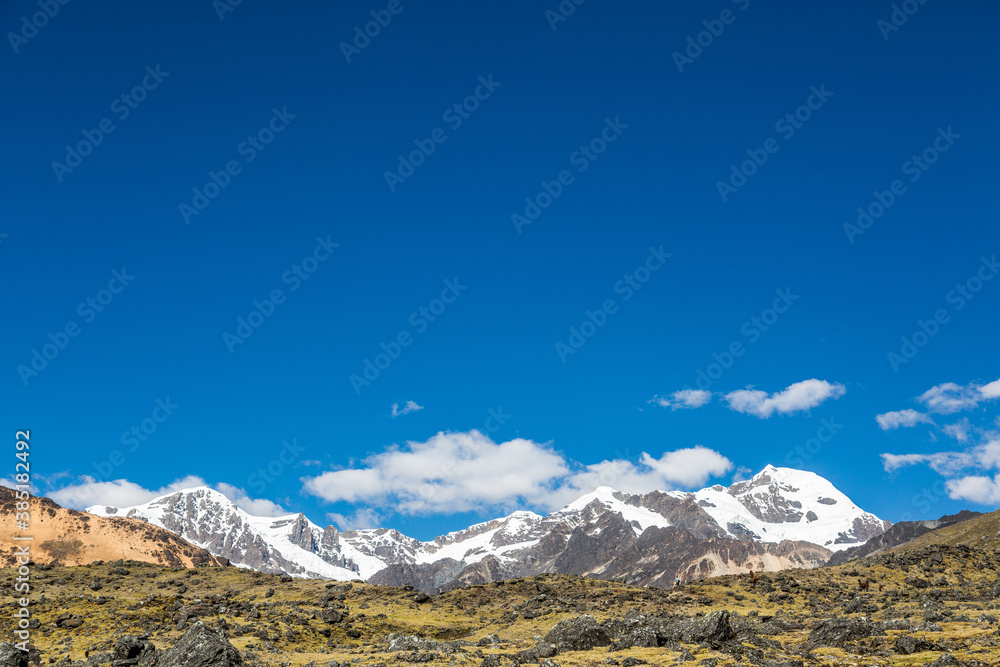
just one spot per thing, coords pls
(786, 504)
(780, 517)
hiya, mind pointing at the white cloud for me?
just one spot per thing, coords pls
(118, 493)
(976, 488)
(361, 519)
(449, 473)
(410, 406)
(253, 506)
(967, 471)
(683, 467)
(959, 430)
(985, 456)
(948, 398)
(459, 472)
(991, 390)
(794, 398)
(902, 419)
(88, 492)
(685, 398)
(742, 473)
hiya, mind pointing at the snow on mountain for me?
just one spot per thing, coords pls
(605, 499)
(786, 504)
(291, 543)
(776, 504)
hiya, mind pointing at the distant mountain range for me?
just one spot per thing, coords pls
(779, 518)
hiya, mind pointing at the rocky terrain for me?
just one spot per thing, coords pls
(779, 518)
(936, 604)
(69, 537)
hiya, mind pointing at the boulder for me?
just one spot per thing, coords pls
(908, 645)
(578, 634)
(132, 650)
(11, 656)
(200, 647)
(836, 631)
(712, 628)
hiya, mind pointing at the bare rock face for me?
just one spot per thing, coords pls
(300, 533)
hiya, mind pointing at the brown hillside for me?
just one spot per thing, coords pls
(982, 532)
(68, 537)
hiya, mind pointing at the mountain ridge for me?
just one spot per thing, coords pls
(780, 517)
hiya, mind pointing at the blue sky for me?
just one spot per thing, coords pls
(676, 201)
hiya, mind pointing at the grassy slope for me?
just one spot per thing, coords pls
(145, 601)
(981, 531)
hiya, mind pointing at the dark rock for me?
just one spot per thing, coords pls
(11, 656)
(417, 656)
(420, 598)
(946, 660)
(712, 628)
(536, 653)
(917, 582)
(908, 645)
(836, 631)
(200, 647)
(331, 616)
(685, 656)
(132, 650)
(578, 634)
